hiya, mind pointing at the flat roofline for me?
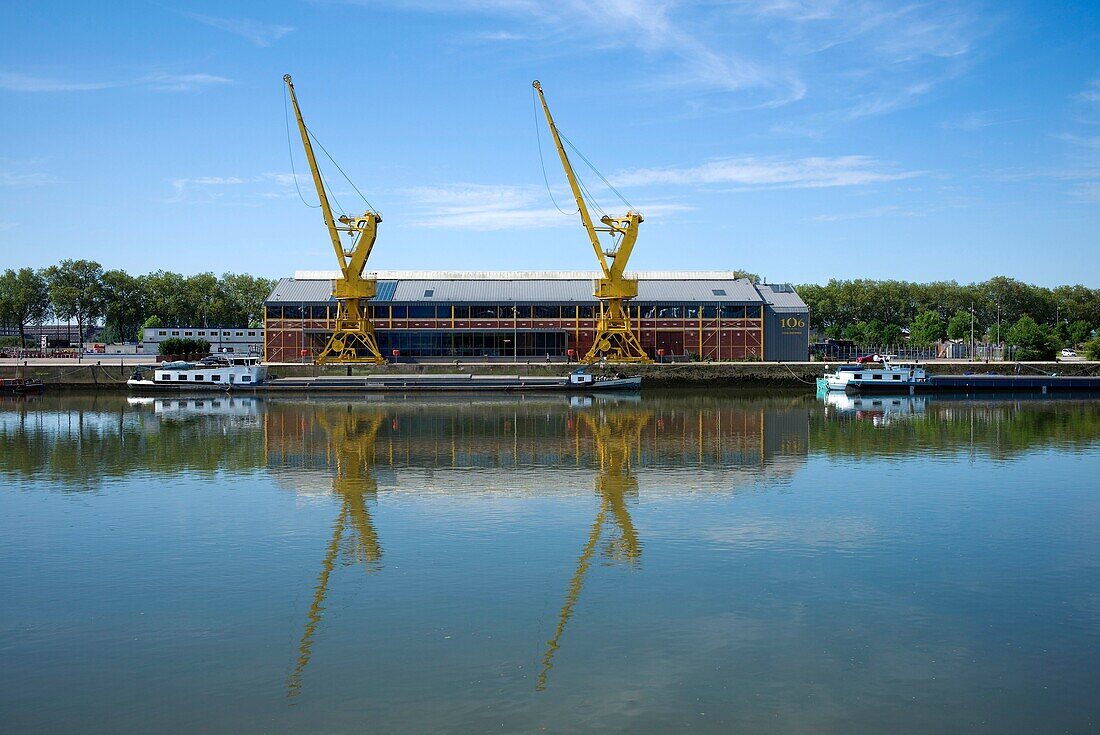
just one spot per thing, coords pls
(325, 275)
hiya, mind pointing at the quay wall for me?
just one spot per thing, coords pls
(68, 374)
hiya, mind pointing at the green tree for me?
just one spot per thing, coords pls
(928, 328)
(124, 304)
(150, 322)
(244, 299)
(76, 290)
(1031, 341)
(1092, 349)
(24, 299)
(1079, 332)
(958, 326)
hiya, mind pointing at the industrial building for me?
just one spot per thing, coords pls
(222, 339)
(709, 315)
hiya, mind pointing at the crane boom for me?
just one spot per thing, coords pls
(586, 218)
(318, 182)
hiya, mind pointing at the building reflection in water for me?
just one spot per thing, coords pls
(361, 448)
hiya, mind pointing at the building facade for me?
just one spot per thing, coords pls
(247, 340)
(532, 315)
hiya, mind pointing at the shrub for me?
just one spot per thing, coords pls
(184, 346)
(1092, 349)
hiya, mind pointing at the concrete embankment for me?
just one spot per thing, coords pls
(68, 374)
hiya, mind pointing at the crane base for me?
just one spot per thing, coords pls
(352, 345)
(616, 344)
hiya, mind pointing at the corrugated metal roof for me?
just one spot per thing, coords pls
(292, 290)
(477, 290)
(781, 296)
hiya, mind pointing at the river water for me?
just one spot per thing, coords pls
(694, 563)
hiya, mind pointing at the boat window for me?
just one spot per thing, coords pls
(858, 376)
(897, 377)
(181, 376)
(215, 377)
(246, 378)
(198, 376)
(876, 376)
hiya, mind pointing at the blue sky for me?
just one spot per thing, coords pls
(802, 140)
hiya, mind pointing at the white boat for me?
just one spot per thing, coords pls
(880, 373)
(217, 372)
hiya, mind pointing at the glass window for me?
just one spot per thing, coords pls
(669, 312)
(251, 334)
(162, 334)
(215, 377)
(544, 311)
(730, 311)
(239, 334)
(186, 334)
(897, 377)
(246, 378)
(181, 376)
(400, 312)
(522, 312)
(718, 291)
(462, 312)
(292, 312)
(691, 311)
(422, 312)
(586, 311)
(710, 311)
(483, 311)
(198, 377)
(429, 292)
(876, 376)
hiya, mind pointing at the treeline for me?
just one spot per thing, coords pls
(81, 291)
(998, 310)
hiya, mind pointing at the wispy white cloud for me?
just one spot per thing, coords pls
(1088, 192)
(1091, 93)
(14, 82)
(15, 180)
(483, 207)
(236, 190)
(889, 210)
(500, 36)
(258, 32)
(812, 172)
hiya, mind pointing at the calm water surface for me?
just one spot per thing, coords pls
(466, 565)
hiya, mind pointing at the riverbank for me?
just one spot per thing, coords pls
(100, 375)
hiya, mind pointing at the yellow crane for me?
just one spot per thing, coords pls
(615, 339)
(353, 337)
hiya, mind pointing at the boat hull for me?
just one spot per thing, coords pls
(381, 384)
(982, 384)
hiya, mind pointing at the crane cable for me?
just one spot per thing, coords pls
(290, 153)
(538, 137)
(597, 172)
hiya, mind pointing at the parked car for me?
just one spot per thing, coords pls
(1069, 353)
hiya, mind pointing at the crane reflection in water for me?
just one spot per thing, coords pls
(717, 446)
(351, 440)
